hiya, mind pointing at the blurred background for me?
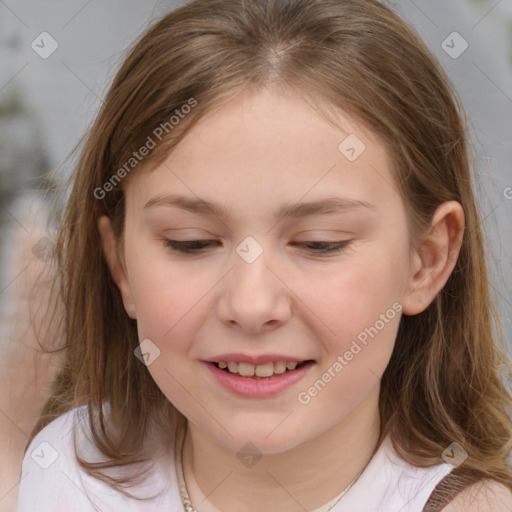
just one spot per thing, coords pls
(57, 59)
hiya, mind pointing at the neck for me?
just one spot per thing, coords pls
(302, 478)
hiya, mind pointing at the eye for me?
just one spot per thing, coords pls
(189, 246)
(324, 247)
(194, 246)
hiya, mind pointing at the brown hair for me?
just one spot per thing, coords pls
(442, 384)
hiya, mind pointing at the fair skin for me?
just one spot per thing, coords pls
(251, 156)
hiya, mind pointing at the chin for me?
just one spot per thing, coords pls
(268, 441)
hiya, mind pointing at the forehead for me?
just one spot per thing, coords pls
(263, 145)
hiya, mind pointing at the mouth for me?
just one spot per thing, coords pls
(264, 380)
(264, 371)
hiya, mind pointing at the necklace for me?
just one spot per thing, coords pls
(185, 499)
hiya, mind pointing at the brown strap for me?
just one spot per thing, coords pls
(445, 491)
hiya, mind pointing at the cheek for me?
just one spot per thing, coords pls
(170, 307)
(357, 310)
(358, 319)
(352, 295)
(168, 295)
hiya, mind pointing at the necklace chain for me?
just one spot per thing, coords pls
(185, 499)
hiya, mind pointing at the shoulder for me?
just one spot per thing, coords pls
(54, 441)
(395, 483)
(51, 474)
(49, 465)
(482, 496)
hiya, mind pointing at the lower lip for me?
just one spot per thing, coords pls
(258, 388)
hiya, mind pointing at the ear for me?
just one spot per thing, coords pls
(116, 264)
(434, 259)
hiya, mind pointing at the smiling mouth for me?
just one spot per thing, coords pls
(260, 371)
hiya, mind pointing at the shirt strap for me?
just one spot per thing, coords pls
(445, 491)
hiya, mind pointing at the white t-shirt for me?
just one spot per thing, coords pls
(52, 480)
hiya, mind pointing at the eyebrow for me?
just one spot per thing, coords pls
(324, 206)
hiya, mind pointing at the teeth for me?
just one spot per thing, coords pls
(260, 370)
(265, 370)
(245, 369)
(279, 367)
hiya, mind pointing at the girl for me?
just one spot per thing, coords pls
(273, 279)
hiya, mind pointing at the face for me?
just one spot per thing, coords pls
(302, 255)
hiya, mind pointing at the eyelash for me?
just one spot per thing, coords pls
(191, 246)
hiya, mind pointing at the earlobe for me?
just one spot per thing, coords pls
(434, 260)
(115, 265)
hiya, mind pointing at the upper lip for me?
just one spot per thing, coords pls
(259, 359)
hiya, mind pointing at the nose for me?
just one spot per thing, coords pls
(254, 297)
